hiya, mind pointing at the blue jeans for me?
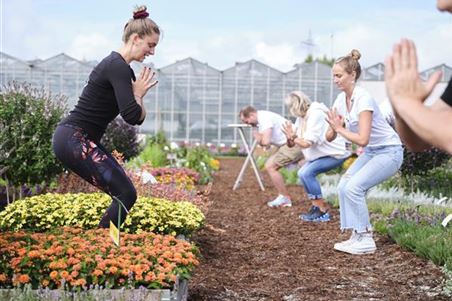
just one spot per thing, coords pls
(374, 166)
(309, 171)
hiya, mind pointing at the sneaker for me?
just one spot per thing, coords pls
(315, 215)
(280, 201)
(306, 215)
(325, 217)
(346, 242)
(363, 243)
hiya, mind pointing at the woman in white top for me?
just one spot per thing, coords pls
(356, 117)
(320, 155)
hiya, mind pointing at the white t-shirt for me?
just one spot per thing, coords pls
(270, 120)
(387, 111)
(315, 130)
(381, 133)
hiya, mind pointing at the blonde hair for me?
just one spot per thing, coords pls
(350, 63)
(140, 24)
(298, 103)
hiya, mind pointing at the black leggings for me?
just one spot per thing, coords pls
(91, 161)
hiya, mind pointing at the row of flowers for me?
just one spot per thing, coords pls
(45, 212)
(72, 257)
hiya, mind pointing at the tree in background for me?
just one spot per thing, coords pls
(28, 118)
(323, 60)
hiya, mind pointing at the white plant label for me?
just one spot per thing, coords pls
(446, 220)
(148, 177)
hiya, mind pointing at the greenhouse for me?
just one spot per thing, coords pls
(195, 102)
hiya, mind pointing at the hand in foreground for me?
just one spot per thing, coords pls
(144, 82)
(402, 78)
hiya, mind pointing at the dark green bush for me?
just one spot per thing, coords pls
(122, 137)
(159, 138)
(425, 171)
(436, 182)
(421, 162)
(28, 118)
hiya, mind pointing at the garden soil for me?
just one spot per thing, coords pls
(252, 252)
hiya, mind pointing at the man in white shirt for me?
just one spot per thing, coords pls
(268, 131)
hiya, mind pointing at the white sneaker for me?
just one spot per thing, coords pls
(346, 242)
(280, 201)
(362, 243)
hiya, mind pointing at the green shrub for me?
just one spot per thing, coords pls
(158, 153)
(419, 163)
(152, 154)
(416, 174)
(436, 182)
(45, 212)
(122, 137)
(431, 242)
(159, 138)
(28, 118)
(200, 160)
(382, 207)
(381, 226)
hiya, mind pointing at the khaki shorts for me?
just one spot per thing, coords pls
(285, 155)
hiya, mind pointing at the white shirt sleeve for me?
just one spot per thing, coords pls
(364, 103)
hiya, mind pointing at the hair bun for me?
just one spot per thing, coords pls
(140, 12)
(355, 54)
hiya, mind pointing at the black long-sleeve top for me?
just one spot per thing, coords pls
(108, 93)
(447, 95)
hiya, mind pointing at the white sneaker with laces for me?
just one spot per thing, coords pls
(348, 241)
(363, 243)
(280, 201)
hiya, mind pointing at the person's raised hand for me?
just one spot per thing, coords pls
(335, 120)
(402, 79)
(144, 82)
(287, 129)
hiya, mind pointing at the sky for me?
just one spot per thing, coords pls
(222, 33)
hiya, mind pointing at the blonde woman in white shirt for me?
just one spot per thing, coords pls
(356, 117)
(320, 155)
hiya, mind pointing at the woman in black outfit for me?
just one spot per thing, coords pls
(112, 89)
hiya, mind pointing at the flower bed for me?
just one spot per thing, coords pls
(45, 212)
(180, 178)
(70, 258)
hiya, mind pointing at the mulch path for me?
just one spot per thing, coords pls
(251, 252)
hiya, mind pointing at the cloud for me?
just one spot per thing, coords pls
(376, 42)
(91, 45)
(435, 47)
(281, 56)
(42, 33)
(219, 49)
